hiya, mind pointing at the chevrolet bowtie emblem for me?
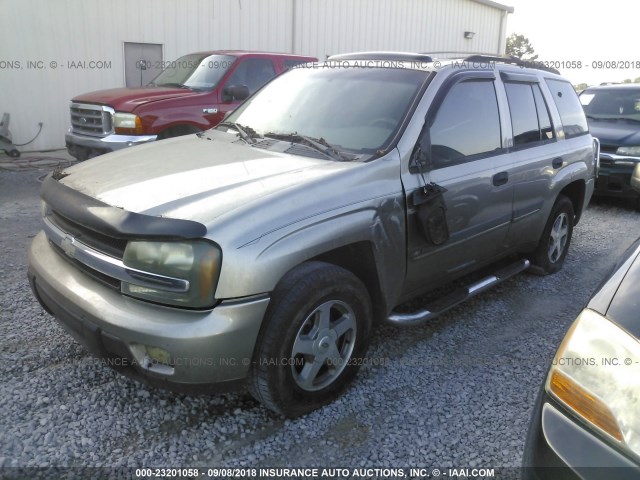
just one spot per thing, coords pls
(68, 247)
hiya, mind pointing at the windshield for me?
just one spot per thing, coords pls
(611, 104)
(195, 71)
(352, 109)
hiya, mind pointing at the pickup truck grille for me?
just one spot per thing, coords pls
(94, 120)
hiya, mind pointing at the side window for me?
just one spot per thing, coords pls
(253, 73)
(466, 125)
(546, 129)
(524, 117)
(529, 114)
(574, 122)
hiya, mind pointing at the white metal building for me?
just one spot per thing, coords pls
(51, 51)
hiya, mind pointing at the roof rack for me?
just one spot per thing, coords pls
(513, 61)
(407, 56)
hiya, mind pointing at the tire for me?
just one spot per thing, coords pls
(315, 329)
(555, 240)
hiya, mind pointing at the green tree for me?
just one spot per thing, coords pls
(519, 46)
(579, 87)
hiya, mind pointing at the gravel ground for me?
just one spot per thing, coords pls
(457, 392)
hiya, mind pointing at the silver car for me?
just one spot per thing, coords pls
(264, 251)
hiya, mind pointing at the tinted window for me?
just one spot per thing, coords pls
(467, 123)
(524, 117)
(544, 120)
(574, 122)
(253, 72)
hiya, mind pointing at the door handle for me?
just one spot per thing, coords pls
(557, 163)
(500, 178)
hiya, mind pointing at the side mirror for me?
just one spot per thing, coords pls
(235, 92)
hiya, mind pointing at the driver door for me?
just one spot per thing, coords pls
(461, 146)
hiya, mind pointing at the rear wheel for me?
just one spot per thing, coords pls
(552, 250)
(315, 330)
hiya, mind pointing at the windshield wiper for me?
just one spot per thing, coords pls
(247, 134)
(179, 85)
(319, 144)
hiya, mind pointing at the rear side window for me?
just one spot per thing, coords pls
(544, 120)
(467, 124)
(529, 116)
(574, 122)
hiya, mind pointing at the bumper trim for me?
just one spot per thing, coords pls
(111, 142)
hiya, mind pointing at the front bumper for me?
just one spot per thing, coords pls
(208, 348)
(614, 177)
(86, 146)
(560, 448)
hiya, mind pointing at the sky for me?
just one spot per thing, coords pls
(601, 35)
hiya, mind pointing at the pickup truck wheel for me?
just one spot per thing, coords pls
(556, 237)
(316, 327)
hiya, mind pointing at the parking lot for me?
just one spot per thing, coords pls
(456, 392)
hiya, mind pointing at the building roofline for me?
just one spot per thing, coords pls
(499, 6)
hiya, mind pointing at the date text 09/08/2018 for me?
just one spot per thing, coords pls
(310, 472)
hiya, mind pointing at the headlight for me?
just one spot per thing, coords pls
(629, 151)
(596, 374)
(127, 123)
(173, 273)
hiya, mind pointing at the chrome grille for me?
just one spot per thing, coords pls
(95, 120)
(102, 243)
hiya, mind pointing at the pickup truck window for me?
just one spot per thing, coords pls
(252, 73)
(467, 124)
(355, 109)
(195, 71)
(574, 122)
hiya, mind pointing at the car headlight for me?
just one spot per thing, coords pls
(596, 374)
(127, 123)
(629, 151)
(174, 273)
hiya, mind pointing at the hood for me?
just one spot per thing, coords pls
(128, 99)
(170, 177)
(625, 303)
(616, 133)
(617, 296)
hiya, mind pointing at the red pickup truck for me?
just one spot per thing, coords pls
(192, 94)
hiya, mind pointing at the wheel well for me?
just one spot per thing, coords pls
(359, 259)
(575, 192)
(177, 131)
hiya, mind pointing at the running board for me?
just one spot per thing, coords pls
(456, 297)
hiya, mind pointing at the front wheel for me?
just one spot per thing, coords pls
(556, 237)
(315, 331)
